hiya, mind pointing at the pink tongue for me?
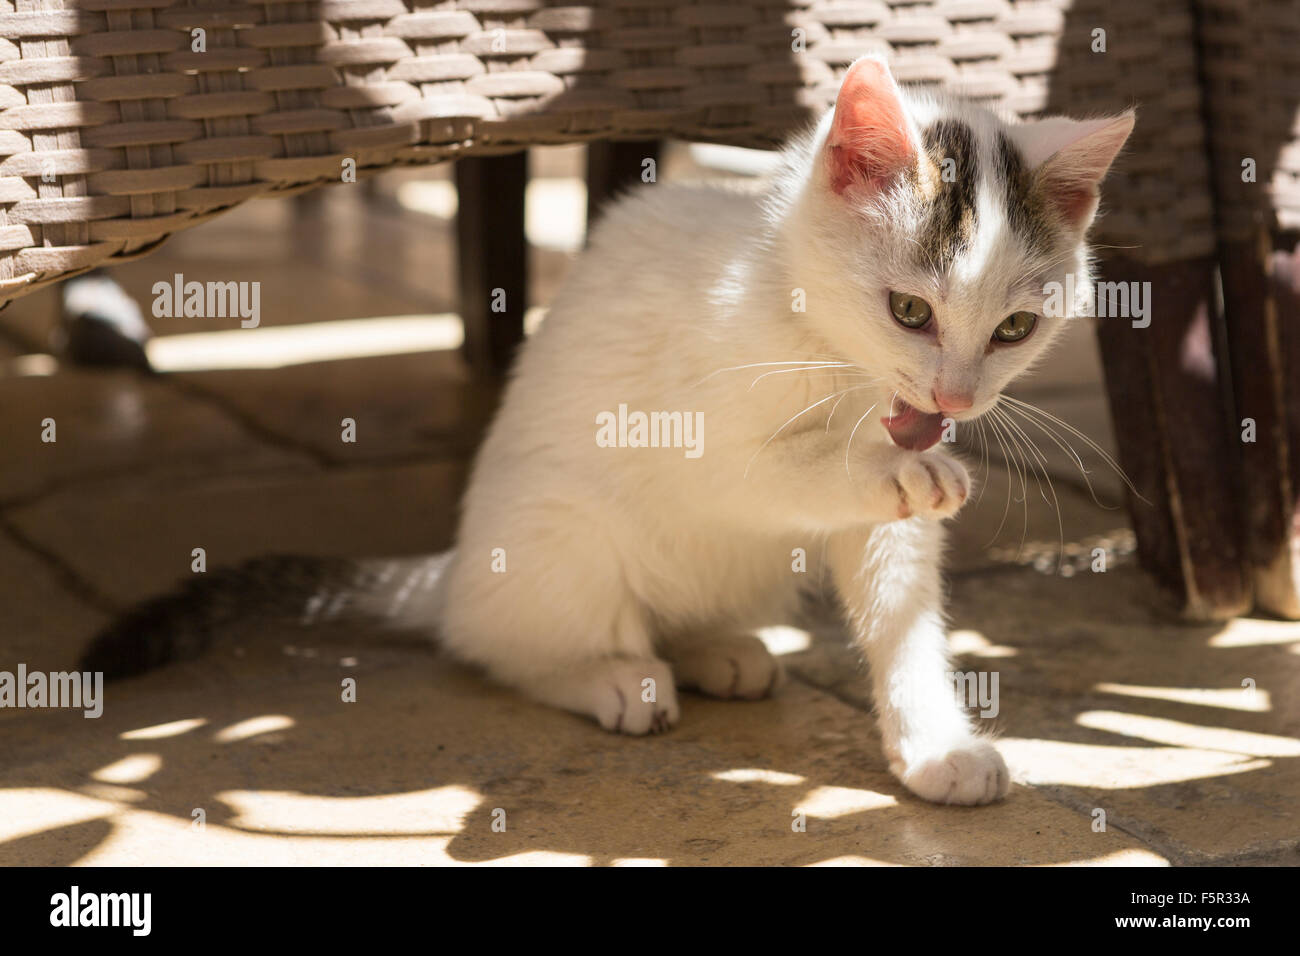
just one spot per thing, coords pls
(912, 429)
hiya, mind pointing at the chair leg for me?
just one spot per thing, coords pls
(613, 168)
(1261, 282)
(1172, 413)
(492, 258)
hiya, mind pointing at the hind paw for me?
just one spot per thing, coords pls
(731, 667)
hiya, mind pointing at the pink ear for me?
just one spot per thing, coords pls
(1073, 157)
(870, 140)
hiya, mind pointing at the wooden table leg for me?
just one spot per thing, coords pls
(1172, 414)
(492, 258)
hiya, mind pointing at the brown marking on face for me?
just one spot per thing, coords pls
(1027, 210)
(950, 221)
(927, 178)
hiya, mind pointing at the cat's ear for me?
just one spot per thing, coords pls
(871, 139)
(1071, 157)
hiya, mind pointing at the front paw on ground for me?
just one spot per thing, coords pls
(635, 696)
(969, 775)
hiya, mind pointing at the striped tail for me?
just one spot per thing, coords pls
(182, 624)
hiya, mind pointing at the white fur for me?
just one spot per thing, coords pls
(622, 563)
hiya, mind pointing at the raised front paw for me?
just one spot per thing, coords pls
(930, 485)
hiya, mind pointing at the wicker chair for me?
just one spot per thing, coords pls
(115, 132)
(1251, 66)
(124, 121)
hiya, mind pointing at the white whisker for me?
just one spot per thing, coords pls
(1105, 455)
(1006, 508)
(786, 371)
(740, 368)
(1055, 503)
(848, 447)
(792, 419)
(1067, 448)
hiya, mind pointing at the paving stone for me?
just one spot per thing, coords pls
(424, 404)
(43, 622)
(116, 423)
(131, 541)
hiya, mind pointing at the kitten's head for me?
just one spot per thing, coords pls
(927, 229)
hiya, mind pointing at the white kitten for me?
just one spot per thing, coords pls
(813, 337)
(729, 381)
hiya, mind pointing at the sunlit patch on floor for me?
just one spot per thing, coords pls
(755, 775)
(975, 644)
(827, 803)
(282, 345)
(171, 729)
(1094, 767)
(540, 858)
(132, 769)
(1179, 734)
(244, 729)
(639, 861)
(28, 810)
(1241, 698)
(1251, 632)
(1121, 858)
(852, 861)
(438, 811)
(113, 793)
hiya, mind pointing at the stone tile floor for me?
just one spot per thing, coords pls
(1182, 740)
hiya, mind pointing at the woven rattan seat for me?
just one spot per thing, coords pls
(123, 121)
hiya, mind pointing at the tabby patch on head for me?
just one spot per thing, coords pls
(971, 175)
(950, 223)
(1024, 204)
(953, 168)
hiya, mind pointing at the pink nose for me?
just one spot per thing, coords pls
(951, 401)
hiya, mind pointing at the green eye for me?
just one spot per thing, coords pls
(1015, 327)
(909, 311)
